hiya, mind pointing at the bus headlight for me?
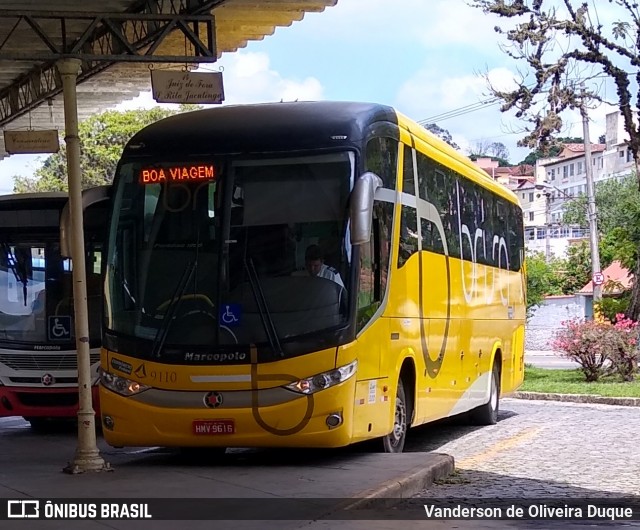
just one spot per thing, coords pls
(324, 380)
(120, 385)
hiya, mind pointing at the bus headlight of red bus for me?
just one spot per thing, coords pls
(120, 385)
(324, 380)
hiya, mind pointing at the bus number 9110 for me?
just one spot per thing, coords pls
(161, 376)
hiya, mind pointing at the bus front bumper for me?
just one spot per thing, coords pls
(40, 402)
(322, 419)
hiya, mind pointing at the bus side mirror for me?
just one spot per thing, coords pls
(361, 207)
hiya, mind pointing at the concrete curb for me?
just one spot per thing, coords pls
(393, 491)
(579, 398)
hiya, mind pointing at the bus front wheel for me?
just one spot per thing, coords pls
(394, 441)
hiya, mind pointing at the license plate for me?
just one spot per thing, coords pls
(213, 427)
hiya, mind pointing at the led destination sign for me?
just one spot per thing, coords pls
(182, 173)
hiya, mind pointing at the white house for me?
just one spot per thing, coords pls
(562, 178)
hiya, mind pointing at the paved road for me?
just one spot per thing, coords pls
(546, 359)
(538, 450)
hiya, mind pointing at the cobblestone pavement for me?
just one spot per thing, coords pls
(539, 451)
(542, 449)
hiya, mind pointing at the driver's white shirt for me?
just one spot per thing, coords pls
(330, 274)
(326, 272)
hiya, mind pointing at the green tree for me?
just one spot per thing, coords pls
(542, 280)
(102, 138)
(568, 50)
(557, 276)
(577, 267)
(618, 207)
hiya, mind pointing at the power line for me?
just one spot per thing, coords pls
(461, 111)
(479, 105)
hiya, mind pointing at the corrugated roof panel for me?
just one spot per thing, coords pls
(237, 22)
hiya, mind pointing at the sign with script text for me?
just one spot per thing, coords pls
(20, 142)
(173, 86)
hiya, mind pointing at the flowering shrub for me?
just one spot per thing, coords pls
(584, 342)
(601, 347)
(624, 357)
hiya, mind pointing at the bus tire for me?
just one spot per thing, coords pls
(45, 425)
(39, 425)
(394, 441)
(487, 414)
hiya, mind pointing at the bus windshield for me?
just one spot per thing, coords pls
(36, 294)
(229, 251)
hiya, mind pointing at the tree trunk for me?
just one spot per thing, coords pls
(633, 312)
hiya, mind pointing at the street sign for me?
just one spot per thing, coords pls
(598, 278)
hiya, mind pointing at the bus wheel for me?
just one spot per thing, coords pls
(48, 425)
(487, 414)
(39, 424)
(394, 441)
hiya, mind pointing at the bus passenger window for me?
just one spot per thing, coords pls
(408, 235)
(408, 182)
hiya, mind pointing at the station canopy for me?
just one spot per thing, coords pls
(118, 41)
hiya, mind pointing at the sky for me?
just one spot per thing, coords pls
(426, 58)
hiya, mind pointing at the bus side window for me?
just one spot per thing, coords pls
(374, 264)
(367, 303)
(408, 217)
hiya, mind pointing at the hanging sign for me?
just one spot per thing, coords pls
(173, 86)
(21, 142)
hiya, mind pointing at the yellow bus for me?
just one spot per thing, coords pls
(305, 274)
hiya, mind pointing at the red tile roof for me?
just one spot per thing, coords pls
(615, 273)
(579, 148)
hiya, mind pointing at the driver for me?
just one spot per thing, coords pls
(315, 266)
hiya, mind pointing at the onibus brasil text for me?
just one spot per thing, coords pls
(35, 509)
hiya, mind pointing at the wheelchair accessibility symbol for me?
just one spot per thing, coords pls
(230, 315)
(60, 328)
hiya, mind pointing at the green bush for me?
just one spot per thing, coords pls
(611, 307)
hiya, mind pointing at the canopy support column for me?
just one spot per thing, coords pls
(87, 456)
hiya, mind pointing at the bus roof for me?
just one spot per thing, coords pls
(472, 170)
(30, 200)
(279, 126)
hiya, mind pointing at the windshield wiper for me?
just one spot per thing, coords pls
(12, 264)
(174, 305)
(261, 303)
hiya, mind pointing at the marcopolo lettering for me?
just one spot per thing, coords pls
(215, 357)
(121, 365)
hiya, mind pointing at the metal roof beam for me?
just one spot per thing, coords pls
(100, 40)
(121, 37)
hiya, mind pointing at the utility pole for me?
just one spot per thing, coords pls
(591, 207)
(547, 230)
